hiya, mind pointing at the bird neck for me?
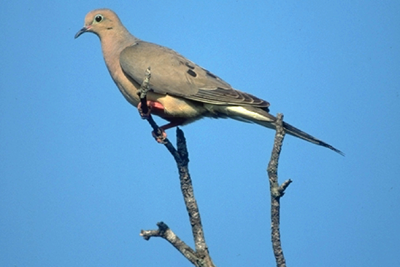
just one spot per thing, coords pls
(112, 45)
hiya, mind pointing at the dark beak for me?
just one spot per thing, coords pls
(81, 31)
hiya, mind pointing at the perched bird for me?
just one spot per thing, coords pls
(181, 91)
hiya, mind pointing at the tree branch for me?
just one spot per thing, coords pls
(276, 192)
(200, 256)
(165, 232)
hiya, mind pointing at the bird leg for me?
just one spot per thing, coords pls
(156, 107)
(162, 135)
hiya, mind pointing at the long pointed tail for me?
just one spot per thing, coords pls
(262, 117)
(305, 136)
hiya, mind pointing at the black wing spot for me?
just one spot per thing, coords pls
(212, 75)
(190, 66)
(192, 73)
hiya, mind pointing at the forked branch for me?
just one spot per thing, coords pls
(200, 256)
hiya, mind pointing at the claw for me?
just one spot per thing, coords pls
(160, 136)
(142, 114)
(150, 105)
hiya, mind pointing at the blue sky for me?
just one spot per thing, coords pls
(75, 189)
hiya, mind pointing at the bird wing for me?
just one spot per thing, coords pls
(173, 74)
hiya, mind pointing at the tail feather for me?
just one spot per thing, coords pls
(262, 117)
(305, 136)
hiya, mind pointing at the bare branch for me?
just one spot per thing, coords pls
(165, 232)
(200, 257)
(276, 192)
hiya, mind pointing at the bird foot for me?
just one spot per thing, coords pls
(160, 136)
(150, 106)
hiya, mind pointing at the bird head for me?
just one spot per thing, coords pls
(99, 22)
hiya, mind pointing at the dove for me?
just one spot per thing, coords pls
(181, 92)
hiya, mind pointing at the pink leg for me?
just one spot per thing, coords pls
(160, 138)
(158, 108)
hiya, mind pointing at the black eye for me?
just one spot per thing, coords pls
(98, 18)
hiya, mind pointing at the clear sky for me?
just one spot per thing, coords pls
(80, 174)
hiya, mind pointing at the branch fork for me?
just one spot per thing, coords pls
(199, 256)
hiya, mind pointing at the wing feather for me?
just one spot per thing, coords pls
(175, 75)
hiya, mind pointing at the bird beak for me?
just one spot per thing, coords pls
(81, 31)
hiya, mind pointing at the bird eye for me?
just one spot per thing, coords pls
(98, 18)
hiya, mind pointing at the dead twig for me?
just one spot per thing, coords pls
(276, 192)
(200, 256)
